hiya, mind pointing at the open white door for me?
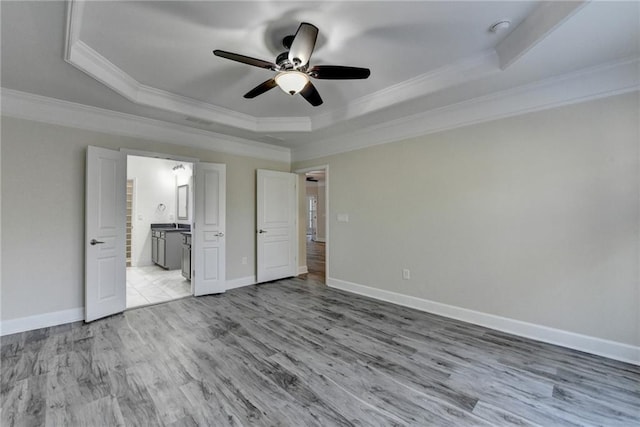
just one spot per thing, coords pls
(277, 229)
(208, 274)
(105, 265)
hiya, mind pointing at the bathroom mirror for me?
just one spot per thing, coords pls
(183, 200)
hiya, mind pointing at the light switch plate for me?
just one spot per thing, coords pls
(343, 217)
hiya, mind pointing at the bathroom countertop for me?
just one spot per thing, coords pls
(171, 227)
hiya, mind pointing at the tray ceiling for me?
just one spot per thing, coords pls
(155, 57)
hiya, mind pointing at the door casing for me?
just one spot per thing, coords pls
(326, 210)
(120, 277)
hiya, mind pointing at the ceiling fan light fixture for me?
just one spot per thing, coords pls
(292, 82)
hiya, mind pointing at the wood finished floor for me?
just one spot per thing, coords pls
(316, 260)
(296, 353)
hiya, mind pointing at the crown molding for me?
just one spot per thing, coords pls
(28, 106)
(91, 62)
(592, 83)
(277, 124)
(584, 85)
(86, 59)
(75, 10)
(465, 70)
(535, 28)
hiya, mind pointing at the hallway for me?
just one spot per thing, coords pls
(316, 260)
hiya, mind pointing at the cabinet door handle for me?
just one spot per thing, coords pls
(262, 231)
(220, 234)
(94, 242)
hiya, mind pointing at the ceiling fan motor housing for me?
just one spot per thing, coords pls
(286, 42)
(283, 61)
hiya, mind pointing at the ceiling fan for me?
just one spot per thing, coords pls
(293, 67)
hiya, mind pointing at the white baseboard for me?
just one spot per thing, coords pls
(611, 349)
(252, 280)
(29, 323)
(22, 324)
(601, 347)
(242, 281)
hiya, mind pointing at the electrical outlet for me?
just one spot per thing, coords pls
(406, 274)
(244, 260)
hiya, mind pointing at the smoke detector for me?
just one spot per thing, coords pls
(500, 26)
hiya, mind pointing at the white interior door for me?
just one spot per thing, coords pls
(277, 229)
(208, 239)
(105, 224)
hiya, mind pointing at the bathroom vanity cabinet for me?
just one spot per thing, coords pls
(166, 247)
(186, 255)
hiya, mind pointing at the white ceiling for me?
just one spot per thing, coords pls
(154, 58)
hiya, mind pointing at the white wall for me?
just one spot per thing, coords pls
(155, 185)
(533, 218)
(43, 175)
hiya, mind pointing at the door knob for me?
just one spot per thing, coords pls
(219, 234)
(262, 231)
(94, 242)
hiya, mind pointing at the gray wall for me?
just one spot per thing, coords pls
(533, 218)
(43, 175)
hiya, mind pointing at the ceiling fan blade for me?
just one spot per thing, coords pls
(303, 44)
(310, 93)
(261, 88)
(338, 72)
(246, 60)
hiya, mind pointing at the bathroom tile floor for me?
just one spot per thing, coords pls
(153, 284)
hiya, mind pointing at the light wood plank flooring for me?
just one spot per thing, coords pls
(316, 260)
(296, 353)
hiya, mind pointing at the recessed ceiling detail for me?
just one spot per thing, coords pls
(96, 44)
(146, 68)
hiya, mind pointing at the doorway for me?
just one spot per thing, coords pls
(105, 228)
(316, 207)
(158, 229)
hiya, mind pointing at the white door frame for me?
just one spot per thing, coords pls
(134, 213)
(155, 155)
(326, 213)
(163, 156)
